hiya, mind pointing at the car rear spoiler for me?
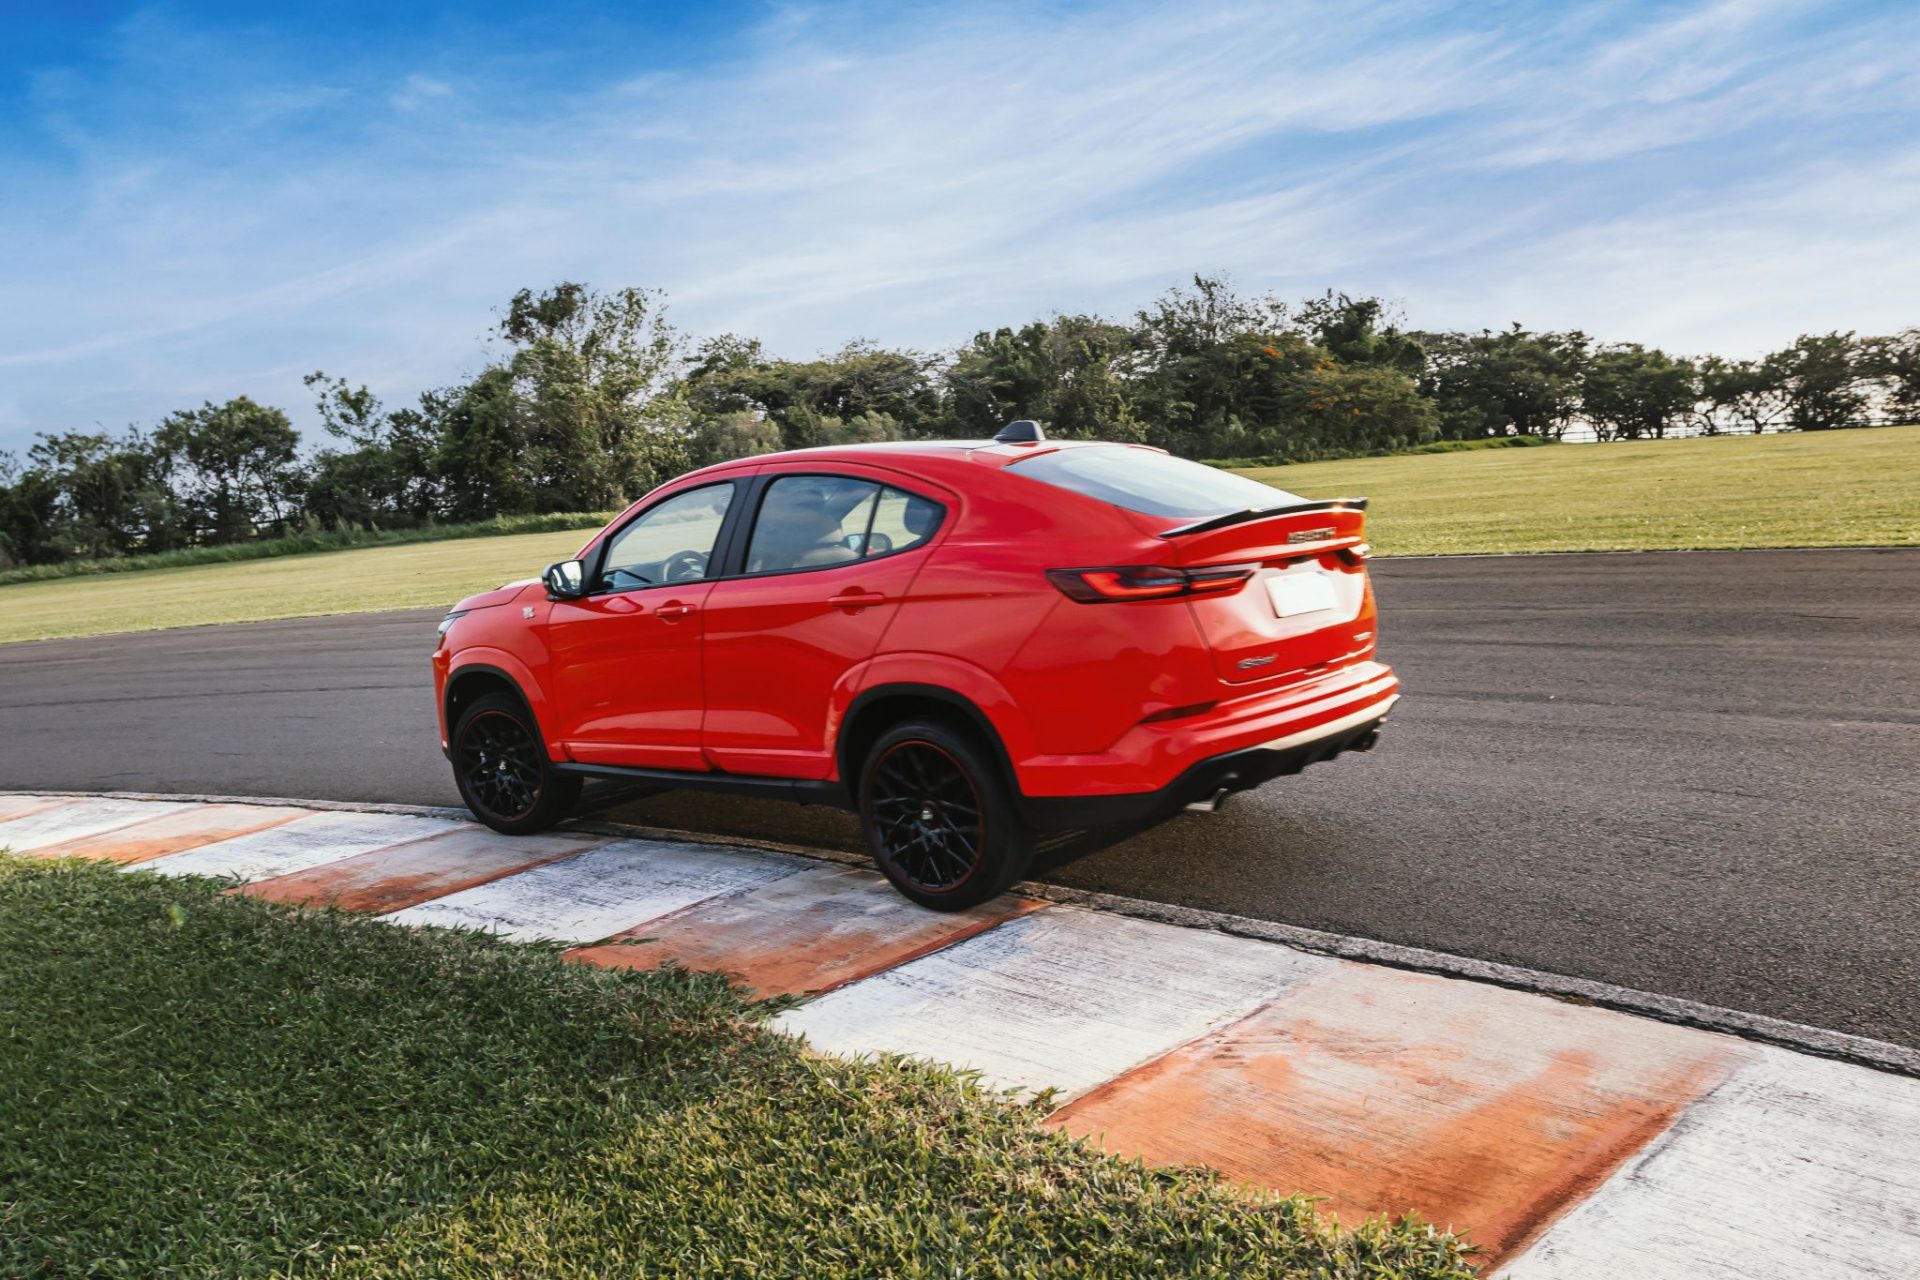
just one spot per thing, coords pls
(1265, 513)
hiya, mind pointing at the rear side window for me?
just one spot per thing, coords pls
(1154, 484)
(901, 520)
(811, 522)
(816, 521)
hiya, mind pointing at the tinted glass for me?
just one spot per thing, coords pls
(672, 542)
(811, 522)
(1155, 484)
(901, 520)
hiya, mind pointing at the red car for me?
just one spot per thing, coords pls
(967, 643)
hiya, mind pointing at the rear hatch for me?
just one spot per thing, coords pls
(1303, 607)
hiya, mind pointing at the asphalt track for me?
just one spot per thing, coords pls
(1695, 774)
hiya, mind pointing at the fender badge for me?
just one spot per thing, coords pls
(1247, 664)
(526, 611)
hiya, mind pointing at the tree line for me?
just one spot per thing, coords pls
(594, 398)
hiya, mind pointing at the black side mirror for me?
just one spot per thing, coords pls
(566, 580)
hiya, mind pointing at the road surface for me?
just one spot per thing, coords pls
(1694, 774)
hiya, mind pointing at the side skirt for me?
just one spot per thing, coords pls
(805, 791)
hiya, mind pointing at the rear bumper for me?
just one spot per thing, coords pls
(1234, 771)
(1157, 770)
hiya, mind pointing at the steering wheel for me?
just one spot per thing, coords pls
(683, 566)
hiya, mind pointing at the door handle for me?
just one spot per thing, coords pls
(856, 599)
(673, 609)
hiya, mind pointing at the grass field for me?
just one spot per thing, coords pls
(1839, 488)
(195, 1084)
(421, 573)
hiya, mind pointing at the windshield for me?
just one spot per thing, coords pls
(1154, 484)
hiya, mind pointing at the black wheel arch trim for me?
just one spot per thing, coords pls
(968, 709)
(462, 673)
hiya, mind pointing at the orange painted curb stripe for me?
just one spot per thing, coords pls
(173, 833)
(1487, 1110)
(405, 875)
(805, 934)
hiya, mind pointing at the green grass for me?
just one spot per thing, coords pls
(1821, 489)
(300, 544)
(1433, 446)
(196, 1085)
(1840, 488)
(423, 573)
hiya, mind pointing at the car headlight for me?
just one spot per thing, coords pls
(448, 621)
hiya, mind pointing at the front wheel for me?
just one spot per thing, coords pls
(502, 769)
(939, 817)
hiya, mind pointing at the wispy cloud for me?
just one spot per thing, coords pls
(417, 91)
(199, 211)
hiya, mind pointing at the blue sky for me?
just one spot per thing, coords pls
(205, 200)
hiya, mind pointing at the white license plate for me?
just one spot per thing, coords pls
(1296, 593)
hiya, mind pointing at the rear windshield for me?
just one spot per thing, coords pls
(1155, 484)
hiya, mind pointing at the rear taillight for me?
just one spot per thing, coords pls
(1148, 581)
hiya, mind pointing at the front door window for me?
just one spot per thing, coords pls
(672, 542)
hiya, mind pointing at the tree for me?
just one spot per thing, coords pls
(738, 433)
(490, 458)
(1510, 382)
(1219, 371)
(1893, 366)
(28, 515)
(1823, 381)
(235, 465)
(1351, 331)
(102, 496)
(1747, 395)
(1070, 374)
(1224, 376)
(1629, 391)
(871, 427)
(598, 376)
(388, 478)
(1364, 408)
(809, 401)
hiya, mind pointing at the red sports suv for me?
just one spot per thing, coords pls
(968, 643)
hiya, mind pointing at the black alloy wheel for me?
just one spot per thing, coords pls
(939, 820)
(926, 816)
(503, 764)
(503, 772)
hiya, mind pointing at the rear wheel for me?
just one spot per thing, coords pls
(502, 769)
(939, 817)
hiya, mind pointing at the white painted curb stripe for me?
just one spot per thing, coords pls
(79, 820)
(1795, 1168)
(601, 892)
(1063, 999)
(299, 845)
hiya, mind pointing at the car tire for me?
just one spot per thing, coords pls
(940, 818)
(502, 769)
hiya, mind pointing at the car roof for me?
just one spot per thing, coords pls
(893, 451)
